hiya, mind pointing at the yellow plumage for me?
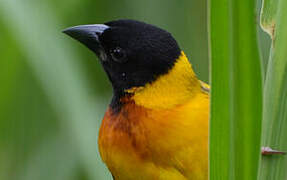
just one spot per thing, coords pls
(161, 132)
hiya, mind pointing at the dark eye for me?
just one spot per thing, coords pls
(118, 54)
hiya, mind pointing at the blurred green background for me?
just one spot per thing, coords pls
(53, 92)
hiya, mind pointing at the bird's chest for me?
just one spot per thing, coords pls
(151, 144)
(123, 142)
(135, 143)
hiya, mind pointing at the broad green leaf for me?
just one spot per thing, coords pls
(220, 124)
(236, 96)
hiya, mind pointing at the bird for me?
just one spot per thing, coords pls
(156, 126)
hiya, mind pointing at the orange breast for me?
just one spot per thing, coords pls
(157, 144)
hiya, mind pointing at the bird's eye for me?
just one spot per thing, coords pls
(118, 55)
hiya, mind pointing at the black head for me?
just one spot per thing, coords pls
(132, 53)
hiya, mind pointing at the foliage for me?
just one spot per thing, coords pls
(274, 127)
(236, 86)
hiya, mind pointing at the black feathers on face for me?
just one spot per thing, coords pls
(134, 53)
(146, 51)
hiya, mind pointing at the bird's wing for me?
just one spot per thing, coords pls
(204, 87)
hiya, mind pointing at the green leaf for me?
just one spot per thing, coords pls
(220, 144)
(236, 96)
(274, 125)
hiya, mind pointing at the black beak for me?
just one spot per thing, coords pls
(87, 35)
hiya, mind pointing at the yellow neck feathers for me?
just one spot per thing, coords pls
(171, 89)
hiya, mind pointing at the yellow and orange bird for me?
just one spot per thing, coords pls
(156, 127)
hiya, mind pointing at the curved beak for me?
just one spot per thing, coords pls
(87, 35)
